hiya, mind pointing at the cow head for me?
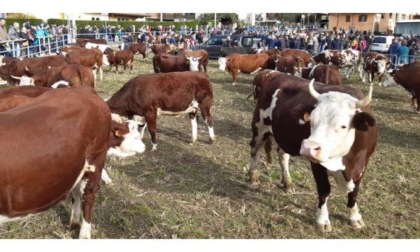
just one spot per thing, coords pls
(124, 139)
(24, 80)
(334, 122)
(193, 62)
(223, 63)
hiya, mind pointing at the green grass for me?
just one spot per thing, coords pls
(201, 190)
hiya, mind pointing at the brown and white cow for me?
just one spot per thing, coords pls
(92, 58)
(59, 158)
(290, 64)
(29, 66)
(83, 41)
(72, 75)
(160, 48)
(116, 58)
(348, 60)
(201, 55)
(138, 48)
(305, 55)
(175, 93)
(165, 63)
(261, 80)
(408, 76)
(124, 139)
(374, 62)
(244, 63)
(327, 74)
(338, 132)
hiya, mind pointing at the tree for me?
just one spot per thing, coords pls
(20, 16)
(224, 18)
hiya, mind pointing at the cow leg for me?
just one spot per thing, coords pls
(260, 136)
(101, 73)
(94, 71)
(151, 118)
(93, 178)
(208, 119)
(234, 74)
(380, 79)
(284, 164)
(349, 71)
(323, 186)
(363, 76)
(194, 127)
(76, 211)
(354, 217)
(105, 177)
(141, 121)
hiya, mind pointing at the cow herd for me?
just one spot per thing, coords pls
(57, 131)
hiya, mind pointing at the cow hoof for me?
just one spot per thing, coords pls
(154, 147)
(356, 223)
(108, 182)
(74, 226)
(212, 140)
(323, 228)
(289, 189)
(254, 178)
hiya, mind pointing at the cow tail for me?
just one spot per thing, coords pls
(327, 75)
(132, 62)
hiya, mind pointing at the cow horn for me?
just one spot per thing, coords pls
(365, 101)
(312, 90)
(17, 78)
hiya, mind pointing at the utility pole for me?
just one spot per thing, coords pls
(215, 16)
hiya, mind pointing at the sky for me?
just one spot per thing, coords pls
(192, 6)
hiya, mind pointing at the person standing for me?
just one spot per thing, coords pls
(402, 53)
(414, 48)
(393, 52)
(4, 37)
(14, 35)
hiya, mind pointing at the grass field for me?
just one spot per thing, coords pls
(201, 191)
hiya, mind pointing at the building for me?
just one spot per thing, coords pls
(374, 22)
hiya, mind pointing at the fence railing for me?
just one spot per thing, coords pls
(18, 48)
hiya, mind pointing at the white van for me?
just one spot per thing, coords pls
(381, 43)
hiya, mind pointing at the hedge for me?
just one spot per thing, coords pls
(10, 21)
(125, 24)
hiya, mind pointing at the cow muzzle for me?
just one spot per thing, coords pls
(313, 151)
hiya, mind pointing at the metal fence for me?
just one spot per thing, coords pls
(46, 45)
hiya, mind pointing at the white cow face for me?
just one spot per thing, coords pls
(193, 62)
(332, 125)
(24, 80)
(131, 143)
(381, 65)
(222, 63)
(389, 80)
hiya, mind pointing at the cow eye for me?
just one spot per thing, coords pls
(343, 126)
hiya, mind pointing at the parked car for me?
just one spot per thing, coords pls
(381, 43)
(216, 45)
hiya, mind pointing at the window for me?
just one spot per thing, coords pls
(362, 18)
(247, 42)
(382, 16)
(390, 15)
(348, 18)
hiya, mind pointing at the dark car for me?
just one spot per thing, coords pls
(216, 46)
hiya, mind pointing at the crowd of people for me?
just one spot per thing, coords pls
(30, 39)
